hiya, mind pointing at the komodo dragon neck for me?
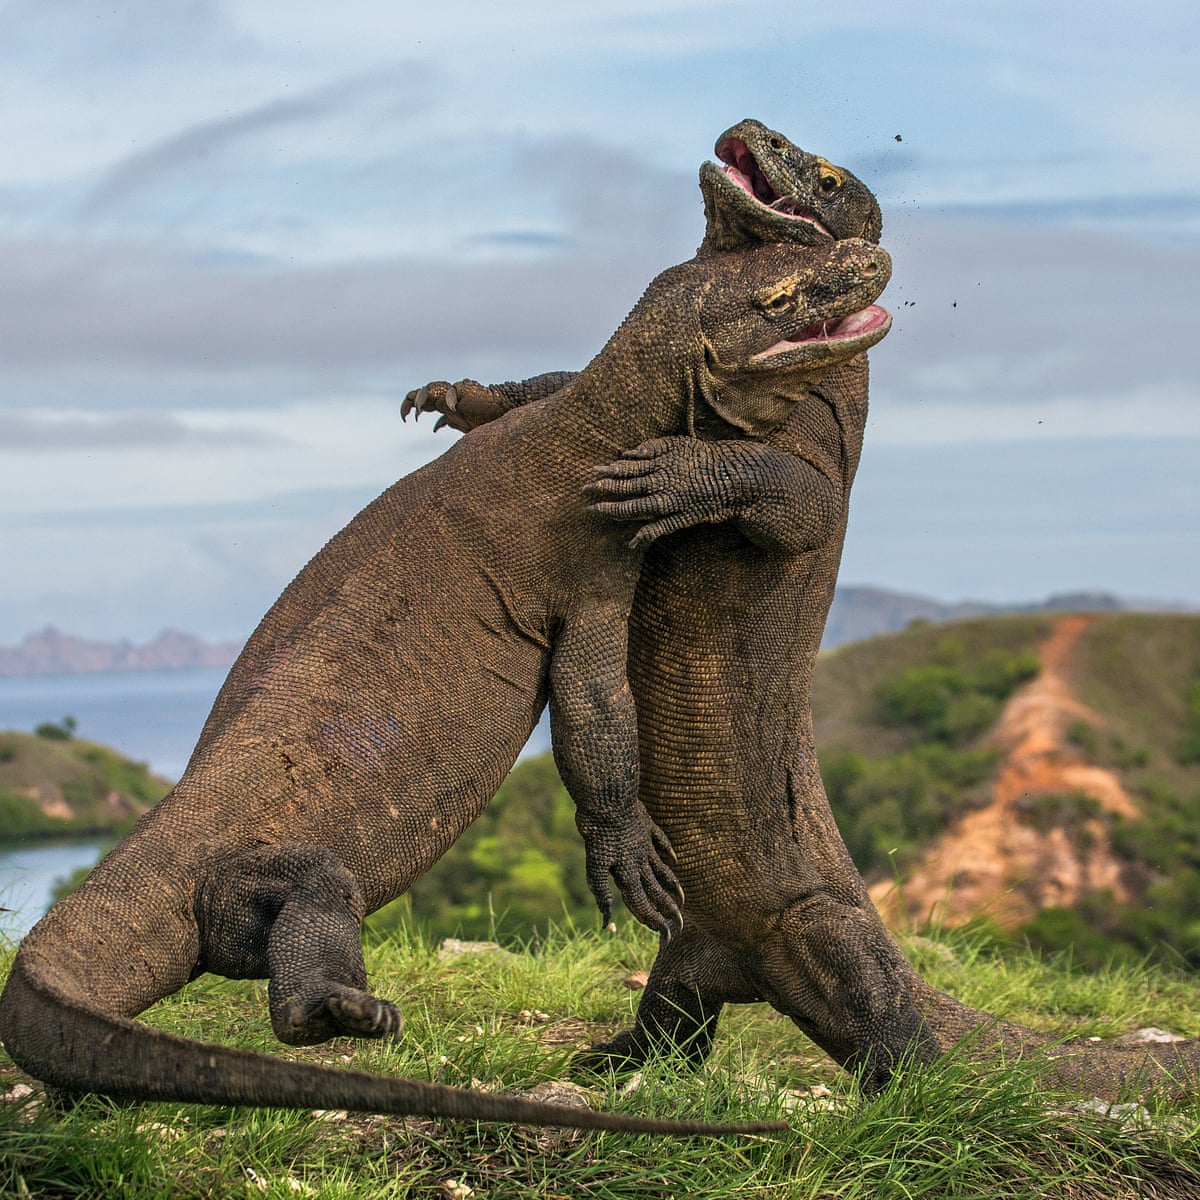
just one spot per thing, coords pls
(648, 379)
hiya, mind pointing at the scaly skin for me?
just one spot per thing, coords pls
(724, 631)
(379, 704)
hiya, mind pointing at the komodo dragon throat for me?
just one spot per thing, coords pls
(724, 632)
(379, 704)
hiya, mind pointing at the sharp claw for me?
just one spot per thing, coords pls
(452, 398)
(440, 423)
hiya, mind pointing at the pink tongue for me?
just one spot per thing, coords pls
(740, 178)
(854, 322)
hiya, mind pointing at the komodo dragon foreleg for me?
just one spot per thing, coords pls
(593, 724)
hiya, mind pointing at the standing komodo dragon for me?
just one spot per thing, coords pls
(724, 632)
(379, 704)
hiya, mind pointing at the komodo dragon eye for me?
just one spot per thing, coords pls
(776, 299)
(831, 178)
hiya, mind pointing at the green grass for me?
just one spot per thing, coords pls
(946, 1131)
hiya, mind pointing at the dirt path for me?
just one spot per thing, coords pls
(993, 862)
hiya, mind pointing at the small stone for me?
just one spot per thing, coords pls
(167, 1132)
(556, 1091)
(1148, 1034)
(455, 1189)
(330, 1114)
(453, 947)
(636, 980)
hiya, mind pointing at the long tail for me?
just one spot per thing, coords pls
(68, 1044)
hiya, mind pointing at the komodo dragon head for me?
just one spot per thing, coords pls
(783, 314)
(769, 190)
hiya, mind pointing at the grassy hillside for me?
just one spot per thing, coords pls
(915, 741)
(509, 1023)
(56, 785)
(901, 724)
(1141, 673)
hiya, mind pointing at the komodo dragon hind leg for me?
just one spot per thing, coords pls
(692, 979)
(293, 913)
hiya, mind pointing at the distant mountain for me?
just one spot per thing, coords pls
(52, 652)
(864, 612)
(858, 612)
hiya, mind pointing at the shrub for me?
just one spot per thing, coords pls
(61, 731)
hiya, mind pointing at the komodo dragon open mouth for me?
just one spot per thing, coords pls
(742, 167)
(867, 326)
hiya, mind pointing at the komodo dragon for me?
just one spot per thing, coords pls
(375, 710)
(724, 631)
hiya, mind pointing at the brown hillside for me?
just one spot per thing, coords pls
(1002, 860)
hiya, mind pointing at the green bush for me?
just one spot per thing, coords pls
(61, 731)
(888, 808)
(1071, 811)
(950, 700)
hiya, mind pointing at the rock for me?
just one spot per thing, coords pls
(453, 947)
(1147, 1034)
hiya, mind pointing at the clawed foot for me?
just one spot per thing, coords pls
(639, 857)
(670, 484)
(344, 1012)
(462, 406)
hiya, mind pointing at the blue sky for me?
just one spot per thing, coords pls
(232, 235)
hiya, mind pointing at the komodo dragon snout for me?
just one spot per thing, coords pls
(761, 338)
(766, 177)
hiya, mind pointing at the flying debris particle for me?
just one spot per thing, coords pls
(899, 138)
